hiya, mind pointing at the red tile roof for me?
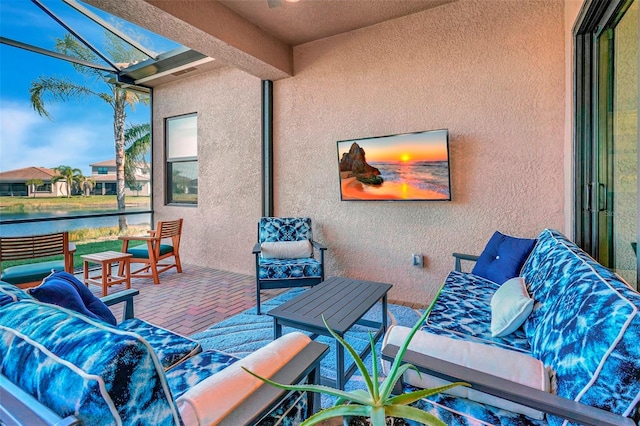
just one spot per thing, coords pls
(28, 173)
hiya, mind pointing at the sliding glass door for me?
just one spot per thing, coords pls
(607, 135)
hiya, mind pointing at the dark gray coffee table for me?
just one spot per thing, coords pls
(343, 302)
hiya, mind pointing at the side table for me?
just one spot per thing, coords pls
(107, 278)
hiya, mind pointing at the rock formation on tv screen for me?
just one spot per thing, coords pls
(355, 162)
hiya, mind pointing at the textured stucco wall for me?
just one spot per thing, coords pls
(220, 231)
(491, 71)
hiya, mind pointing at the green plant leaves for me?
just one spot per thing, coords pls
(376, 401)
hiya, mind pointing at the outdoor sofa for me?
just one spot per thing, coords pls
(75, 365)
(576, 355)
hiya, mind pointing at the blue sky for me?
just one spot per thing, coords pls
(81, 131)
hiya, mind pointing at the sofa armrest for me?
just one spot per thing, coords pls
(462, 256)
(233, 396)
(304, 364)
(125, 297)
(257, 248)
(318, 245)
(502, 388)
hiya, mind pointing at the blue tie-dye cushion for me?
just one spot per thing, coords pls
(14, 292)
(81, 367)
(503, 257)
(63, 289)
(584, 325)
(171, 348)
(5, 299)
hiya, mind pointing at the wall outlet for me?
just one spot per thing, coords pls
(416, 260)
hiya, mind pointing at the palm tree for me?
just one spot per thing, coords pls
(86, 185)
(34, 184)
(137, 144)
(70, 175)
(55, 89)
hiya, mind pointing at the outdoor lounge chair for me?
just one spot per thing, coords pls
(42, 247)
(154, 251)
(285, 255)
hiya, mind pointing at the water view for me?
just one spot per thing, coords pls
(53, 221)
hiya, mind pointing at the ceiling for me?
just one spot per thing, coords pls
(256, 36)
(303, 21)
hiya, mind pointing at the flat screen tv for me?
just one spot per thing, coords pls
(404, 167)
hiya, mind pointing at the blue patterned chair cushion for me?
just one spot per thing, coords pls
(463, 311)
(77, 366)
(197, 368)
(63, 289)
(275, 269)
(170, 348)
(284, 229)
(584, 312)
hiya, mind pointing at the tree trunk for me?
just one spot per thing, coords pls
(119, 117)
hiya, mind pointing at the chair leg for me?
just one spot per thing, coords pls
(178, 264)
(258, 298)
(154, 273)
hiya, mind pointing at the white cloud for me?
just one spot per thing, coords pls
(74, 140)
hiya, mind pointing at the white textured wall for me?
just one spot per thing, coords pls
(490, 71)
(221, 230)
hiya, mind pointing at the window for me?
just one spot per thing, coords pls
(181, 140)
(45, 187)
(103, 170)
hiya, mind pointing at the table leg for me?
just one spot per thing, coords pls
(86, 273)
(277, 329)
(105, 277)
(127, 270)
(340, 379)
(384, 313)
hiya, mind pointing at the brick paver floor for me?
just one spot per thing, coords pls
(191, 301)
(195, 299)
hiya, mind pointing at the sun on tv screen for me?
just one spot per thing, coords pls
(404, 167)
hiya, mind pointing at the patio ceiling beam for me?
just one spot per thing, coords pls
(211, 29)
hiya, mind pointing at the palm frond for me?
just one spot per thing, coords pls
(55, 89)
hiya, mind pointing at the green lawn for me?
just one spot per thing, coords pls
(20, 204)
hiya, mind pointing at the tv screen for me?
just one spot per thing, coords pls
(404, 167)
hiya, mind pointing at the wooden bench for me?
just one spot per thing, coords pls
(35, 247)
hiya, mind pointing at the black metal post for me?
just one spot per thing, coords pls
(267, 148)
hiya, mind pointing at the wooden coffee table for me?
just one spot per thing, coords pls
(343, 302)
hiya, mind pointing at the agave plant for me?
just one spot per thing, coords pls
(376, 402)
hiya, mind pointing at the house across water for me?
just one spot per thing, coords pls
(41, 182)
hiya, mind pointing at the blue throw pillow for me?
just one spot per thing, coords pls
(63, 289)
(503, 257)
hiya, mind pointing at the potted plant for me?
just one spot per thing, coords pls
(376, 402)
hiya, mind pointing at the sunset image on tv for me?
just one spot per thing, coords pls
(409, 167)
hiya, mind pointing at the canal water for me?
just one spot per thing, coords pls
(57, 223)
